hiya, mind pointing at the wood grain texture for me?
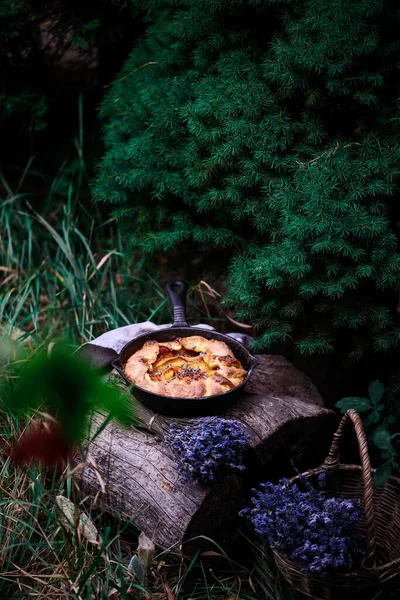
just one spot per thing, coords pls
(140, 476)
(276, 376)
(273, 422)
(142, 485)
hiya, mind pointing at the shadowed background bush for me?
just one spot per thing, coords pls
(268, 130)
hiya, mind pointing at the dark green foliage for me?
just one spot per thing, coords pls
(269, 127)
(19, 33)
(381, 422)
(41, 40)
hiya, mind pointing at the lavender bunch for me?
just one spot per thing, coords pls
(205, 449)
(301, 522)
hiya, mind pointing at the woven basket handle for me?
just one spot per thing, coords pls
(332, 462)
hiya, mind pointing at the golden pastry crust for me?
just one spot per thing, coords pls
(191, 367)
(217, 362)
(195, 343)
(149, 351)
(218, 348)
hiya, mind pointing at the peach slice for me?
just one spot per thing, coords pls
(168, 374)
(175, 361)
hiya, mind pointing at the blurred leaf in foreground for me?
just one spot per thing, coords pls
(66, 388)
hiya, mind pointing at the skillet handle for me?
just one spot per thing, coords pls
(177, 291)
(253, 362)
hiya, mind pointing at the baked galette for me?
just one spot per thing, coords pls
(190, 367)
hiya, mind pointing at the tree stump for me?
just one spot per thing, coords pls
(276, 376)
(281, 409)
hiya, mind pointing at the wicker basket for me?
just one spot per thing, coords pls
(379, 523)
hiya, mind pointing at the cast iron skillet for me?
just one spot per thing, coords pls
(185, 406)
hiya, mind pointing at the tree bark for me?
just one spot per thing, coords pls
(276, 376)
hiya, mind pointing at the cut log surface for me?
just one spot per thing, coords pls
(280, 409)
(276, 376)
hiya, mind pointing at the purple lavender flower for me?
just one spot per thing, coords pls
(301, 522)
(206, 449)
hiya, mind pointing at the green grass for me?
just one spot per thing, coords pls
(56, 278)
(40, 557)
